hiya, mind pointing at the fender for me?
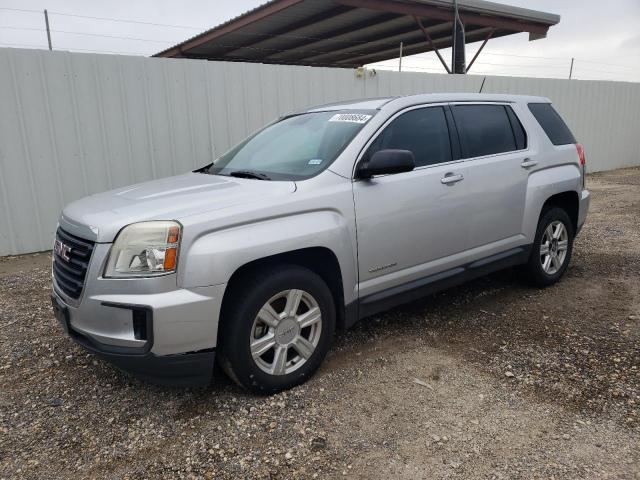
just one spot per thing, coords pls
(542, 185)
(213, 257)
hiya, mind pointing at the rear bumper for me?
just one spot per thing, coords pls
(183, 370)
(585, 200)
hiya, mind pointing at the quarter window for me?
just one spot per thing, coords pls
(552, 123)
(423, 131)
(487, 130)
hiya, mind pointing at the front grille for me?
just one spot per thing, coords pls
(70, 274)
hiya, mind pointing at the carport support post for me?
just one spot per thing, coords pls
(433, 46)
(458, 60)
(480, 49)
(400, 64)
(46, 22)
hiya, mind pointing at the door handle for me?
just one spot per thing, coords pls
(451, 178)
(528, 163)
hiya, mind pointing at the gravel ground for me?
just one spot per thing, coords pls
(489, 380)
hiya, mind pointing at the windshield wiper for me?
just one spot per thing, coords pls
(249, 174)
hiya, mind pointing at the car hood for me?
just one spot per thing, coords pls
(100, 217)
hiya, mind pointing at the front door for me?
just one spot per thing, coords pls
(411, 225)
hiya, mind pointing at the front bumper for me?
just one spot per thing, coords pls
(146, 326)
(188, 369)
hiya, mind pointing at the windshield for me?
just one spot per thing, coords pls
(294, 148)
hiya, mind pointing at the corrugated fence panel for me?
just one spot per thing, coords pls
(75, 124)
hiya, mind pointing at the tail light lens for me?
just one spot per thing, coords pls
(583, 160)
(583, 163)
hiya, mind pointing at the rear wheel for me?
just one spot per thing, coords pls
(552, 248)
(277, 328)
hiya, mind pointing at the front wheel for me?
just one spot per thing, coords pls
(277, 328)
(552, 248)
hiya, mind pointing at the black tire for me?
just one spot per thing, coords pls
(250, 293)
(533, 270)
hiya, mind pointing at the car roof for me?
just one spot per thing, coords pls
(361, 104)
(401, 101)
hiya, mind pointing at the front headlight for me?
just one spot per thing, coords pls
(144, 249)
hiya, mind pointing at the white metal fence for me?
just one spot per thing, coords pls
(74, 124)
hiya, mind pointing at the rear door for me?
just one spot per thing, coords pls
(494, 146)
(411, 225)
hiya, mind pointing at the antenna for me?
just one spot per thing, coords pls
(46, 22)
(482, 86)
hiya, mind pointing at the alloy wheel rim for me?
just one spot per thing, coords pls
(553, 247)
(286, 332)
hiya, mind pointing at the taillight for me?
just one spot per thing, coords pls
(580, 148)
(583, 164)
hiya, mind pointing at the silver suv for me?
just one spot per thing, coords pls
(318, 220)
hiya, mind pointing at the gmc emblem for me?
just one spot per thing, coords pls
(62, 250)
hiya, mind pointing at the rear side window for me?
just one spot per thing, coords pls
(487, 130)
(423, 131)
(552, 123)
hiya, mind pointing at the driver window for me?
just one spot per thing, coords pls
(423, 131)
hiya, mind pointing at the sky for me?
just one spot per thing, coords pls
(602, 37)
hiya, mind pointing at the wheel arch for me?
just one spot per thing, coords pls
(556, 186)
(320, 260)
(568, 201)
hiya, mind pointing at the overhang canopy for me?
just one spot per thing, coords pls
(352, 33)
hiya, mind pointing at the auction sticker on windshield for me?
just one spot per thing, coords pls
(350, 117)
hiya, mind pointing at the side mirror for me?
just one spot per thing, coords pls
(385, 162)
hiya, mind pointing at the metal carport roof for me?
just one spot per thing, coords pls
(352, 33)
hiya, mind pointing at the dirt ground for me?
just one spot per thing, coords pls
(489, 380)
